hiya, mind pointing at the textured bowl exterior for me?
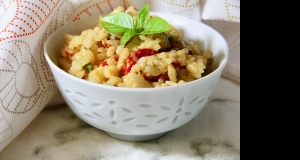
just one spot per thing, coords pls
(139, 111)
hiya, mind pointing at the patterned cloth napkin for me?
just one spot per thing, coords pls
(26, 82)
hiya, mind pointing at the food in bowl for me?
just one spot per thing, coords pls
(139, 114)
(131, 48)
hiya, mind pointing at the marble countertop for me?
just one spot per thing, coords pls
(58, 134)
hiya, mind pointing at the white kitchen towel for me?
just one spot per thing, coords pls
(221, 10)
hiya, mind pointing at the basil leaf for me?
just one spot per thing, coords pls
(117, 23)
(128, 34)
(156, 25)
(142, 17)
(124, 23)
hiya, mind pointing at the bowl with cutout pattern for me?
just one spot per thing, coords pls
(139, 114)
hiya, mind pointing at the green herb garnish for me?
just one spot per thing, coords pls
(88, 67)
(171, 38)
(124, 23)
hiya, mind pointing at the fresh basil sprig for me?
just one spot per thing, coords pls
(124, 23)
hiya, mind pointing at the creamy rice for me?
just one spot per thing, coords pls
(147, 61)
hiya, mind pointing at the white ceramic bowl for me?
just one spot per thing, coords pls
(139, 114)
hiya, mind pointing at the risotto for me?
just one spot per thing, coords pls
(145, 61)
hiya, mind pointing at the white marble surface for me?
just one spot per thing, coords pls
(58, 134)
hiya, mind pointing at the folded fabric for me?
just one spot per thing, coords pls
(221, 10)
(27, 85)
(224, 16)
